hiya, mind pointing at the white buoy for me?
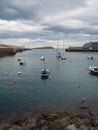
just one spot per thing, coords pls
(19, 72)
(83, 100)
(50, 77)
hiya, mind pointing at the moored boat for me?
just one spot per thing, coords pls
(59, 54)
(93, 70)
(45, 73)
(63, 58)
(43, 58)
(22, 62)
(90, 57)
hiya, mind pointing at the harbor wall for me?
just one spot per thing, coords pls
(7, 51)
(82, 49)
(4, 51)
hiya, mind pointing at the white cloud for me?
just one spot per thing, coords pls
(19, 26)
(86, 13)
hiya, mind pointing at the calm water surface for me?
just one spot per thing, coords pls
(70, 82)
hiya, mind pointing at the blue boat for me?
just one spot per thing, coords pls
(45, 73)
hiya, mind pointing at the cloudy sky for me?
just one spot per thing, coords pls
(45, 22)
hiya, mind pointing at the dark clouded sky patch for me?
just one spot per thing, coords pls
(48, 19)
(28, 9)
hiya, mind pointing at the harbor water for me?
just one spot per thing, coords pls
(70, 82)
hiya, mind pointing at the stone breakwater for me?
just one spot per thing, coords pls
(54, 121)
(11, 50)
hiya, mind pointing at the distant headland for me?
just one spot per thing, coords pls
(46, 47)
(6, 50)
(87, 47)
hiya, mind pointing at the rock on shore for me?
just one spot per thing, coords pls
(54, 121)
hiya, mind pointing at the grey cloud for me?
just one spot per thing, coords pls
(34, 10)
(50, 32)
(31, 35)
(63, 29)
(12, 10)
(59, 5)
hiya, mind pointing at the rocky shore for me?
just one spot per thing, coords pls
(54, 121)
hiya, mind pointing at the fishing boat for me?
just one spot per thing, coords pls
(93, 70)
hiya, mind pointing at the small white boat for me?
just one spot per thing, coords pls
(19, 59)
(63, 58)
(94, 70)
(19, 72)
(22, 62)
(43, 58)
(90, 57)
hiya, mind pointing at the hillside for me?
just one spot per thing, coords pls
(48, 47)
(91, 44)
(87, 47)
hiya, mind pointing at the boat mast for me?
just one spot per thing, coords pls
(90, 36)
(58, 46)
(63, 47)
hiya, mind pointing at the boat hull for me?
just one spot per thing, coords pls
(94, 73)
(93, 70)
(44, 76)
(22, 62)
(63, 58)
